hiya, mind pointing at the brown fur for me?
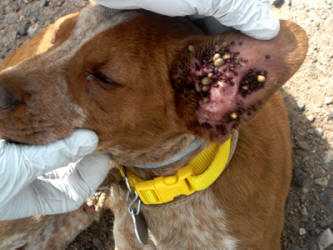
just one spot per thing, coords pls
(137, 122)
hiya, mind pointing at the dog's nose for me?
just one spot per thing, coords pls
(7, 99)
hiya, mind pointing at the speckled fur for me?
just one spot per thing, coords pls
(172, 229)
(242, 210)
(55, 232)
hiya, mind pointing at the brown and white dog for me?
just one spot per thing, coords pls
(122, 75)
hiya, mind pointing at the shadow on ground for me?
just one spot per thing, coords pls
(308, 202)
(98, 236)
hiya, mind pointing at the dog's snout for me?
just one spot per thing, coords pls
(7, 98)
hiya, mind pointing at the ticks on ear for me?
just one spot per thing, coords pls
(234, 115)
(261, 78)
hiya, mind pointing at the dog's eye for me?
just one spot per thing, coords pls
(101, 78)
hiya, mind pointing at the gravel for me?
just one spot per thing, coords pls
(309, 210)
(325, 239)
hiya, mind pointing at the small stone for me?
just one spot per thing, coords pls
(44, 3)
(304, 212)
(329, 157)
(205, 81)
(59, 3)
(226, 56)
(303, 145)
(299, 177)
(301, 106)
(23, 29)
(218, 62)
(311, 118)
(319, 131)
(330, 116)
(325, 239)
(322, 181)
(216, 56)
(328, 100)
(302, 231)
(32, 29)
(261, 78)
(325, 197)
(191, 48)
(210, 75)
(245, 87)
(305, 190)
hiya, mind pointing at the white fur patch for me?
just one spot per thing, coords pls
(92, 21)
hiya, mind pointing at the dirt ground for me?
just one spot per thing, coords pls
(309, 95)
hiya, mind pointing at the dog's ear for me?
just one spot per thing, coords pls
(221, 81)
(49, 38)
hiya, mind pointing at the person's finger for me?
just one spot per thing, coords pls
(61, 153)
(93, 169)
(164, 7)
(20, 165)
(38, 198)
(75, 186)
(22, 205)
(252, 17)
(59, 195)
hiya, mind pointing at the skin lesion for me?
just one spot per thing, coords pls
(223, 78)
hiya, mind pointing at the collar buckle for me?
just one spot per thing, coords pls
(201, 172)
(134, 209)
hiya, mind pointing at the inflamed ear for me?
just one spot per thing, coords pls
(221, 81)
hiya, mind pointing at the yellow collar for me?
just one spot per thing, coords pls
(200, 173)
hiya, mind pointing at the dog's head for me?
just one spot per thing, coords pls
(143, 82)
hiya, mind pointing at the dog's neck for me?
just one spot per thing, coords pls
(171, 165)
(183, 153)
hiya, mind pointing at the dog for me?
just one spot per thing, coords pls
(151, 88)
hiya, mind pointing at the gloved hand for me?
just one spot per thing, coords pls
(51, 179)
(252, 17)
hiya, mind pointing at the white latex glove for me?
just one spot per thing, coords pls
(51, 179)
(252, 17)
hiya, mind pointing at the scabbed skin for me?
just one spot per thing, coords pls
(219, 90)
(220, 95)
